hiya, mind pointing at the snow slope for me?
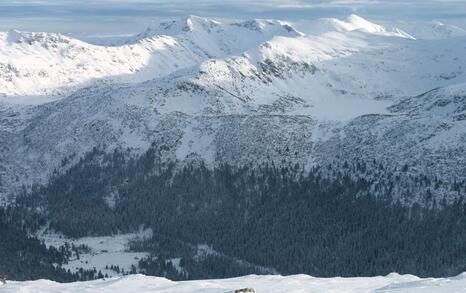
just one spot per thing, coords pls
(232, 91)
(356, 23)
(266, 284)
(48, 64)
(437, 30)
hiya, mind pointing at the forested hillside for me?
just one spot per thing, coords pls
(23, 257)
(324, 222)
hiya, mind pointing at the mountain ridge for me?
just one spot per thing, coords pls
(323, 96)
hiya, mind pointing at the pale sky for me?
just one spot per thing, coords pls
(113, 16)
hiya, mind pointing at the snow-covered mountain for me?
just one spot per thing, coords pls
(356, 23)
(438, 30)
(235, 91)
(248, 284)
(49, 64)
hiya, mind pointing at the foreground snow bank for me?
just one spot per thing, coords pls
(269, 284)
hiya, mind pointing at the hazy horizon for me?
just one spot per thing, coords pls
(126, 16)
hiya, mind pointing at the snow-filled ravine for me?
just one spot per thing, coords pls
(270, 284)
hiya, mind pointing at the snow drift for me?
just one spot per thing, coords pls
(261, 284)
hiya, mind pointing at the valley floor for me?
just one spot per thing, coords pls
(270, 284)
(102, 252)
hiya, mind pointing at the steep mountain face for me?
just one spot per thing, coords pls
(424, 133)
(428, 129)
(235, 91)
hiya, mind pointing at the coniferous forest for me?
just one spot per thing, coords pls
(323, 222)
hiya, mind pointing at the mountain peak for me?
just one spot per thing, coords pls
(31, 38)
(188, 24)
(361, 23)
(357, 23)
(264, 25)
(193, 24)
(447, 30)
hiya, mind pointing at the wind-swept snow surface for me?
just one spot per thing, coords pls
(261, 284)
